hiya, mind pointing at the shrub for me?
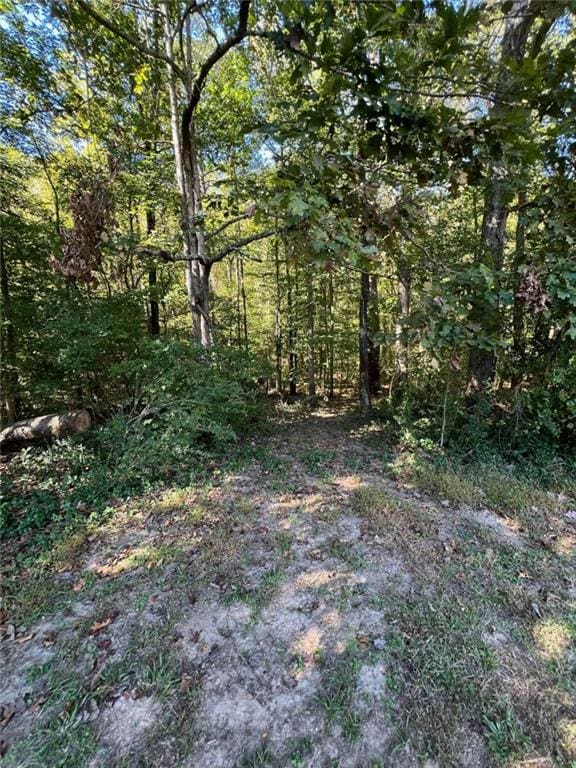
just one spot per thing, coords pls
(183, 405)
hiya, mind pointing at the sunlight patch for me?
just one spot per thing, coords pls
(552, 639)
(567, 730)
(315, 579)
(348, 482)
(310, 642)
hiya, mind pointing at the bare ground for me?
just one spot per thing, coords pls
(309, 606)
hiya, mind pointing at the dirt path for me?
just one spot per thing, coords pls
(306, 607)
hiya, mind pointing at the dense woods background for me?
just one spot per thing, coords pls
(204, 200)
(299, 278)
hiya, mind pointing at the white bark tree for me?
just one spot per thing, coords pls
(186, 82)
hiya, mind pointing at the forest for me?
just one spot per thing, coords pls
(288, 408)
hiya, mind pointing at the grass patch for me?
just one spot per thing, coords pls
(316, 461)
(256, 599)
(346, 553)
(378, 505)
(447, 483)
(263, 757)
(404, 524)
(33, 594)
(448, 677)
(284, 541)
(63, 743)
(339, 682)
(298, 750)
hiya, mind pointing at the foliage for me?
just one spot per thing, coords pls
(183, 409)
(360, 140)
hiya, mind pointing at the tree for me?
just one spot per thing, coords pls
(526, 26)
(190, 76)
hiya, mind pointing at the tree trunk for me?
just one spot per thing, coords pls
(43, 428)
(363, 345)
(292, 355)
(311, 335)
(401, 343)
(238, 303)
(277, 317)
(518, 346)
(244, 304)
(178, 159)
(200, 304)
(373, 346)
(520, 20)
(330, 336)
(154, 319)
(10, 383)
(189, 187)
(482, 362)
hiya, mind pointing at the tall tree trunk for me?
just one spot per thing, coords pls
(277, 315)
(518, 346)
(241, 306)
(200, 284)
(330, 335)
(178, 160)
(154, 319)
(401, 343)
(292, 355)
(482, 362)
(521, 18)
(323, 355)
(10, 382)
(373, 346)
(190, 190)
(244, 304)
(363, 345)
(311, 333)
(238, 303)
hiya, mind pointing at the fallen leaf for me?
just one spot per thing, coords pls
(38, 703)
(6, 713)
(49, 639)
(186, 682)
(79, 586)
(98, 626)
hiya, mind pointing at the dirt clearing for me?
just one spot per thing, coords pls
(311, 606)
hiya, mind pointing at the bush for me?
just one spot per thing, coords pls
(183, 406)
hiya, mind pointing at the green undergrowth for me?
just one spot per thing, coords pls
(173, 427)
(453, 682)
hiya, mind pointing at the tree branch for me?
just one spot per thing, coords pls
(131, 39)
(239, 244)
(218, 52)
(227, 224)
(161, 253)
(192, 7)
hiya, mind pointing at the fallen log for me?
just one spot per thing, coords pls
(42, 428)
